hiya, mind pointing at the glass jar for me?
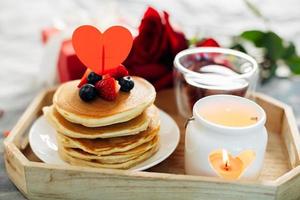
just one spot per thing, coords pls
(205, 71)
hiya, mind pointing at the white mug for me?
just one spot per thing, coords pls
(204, 137)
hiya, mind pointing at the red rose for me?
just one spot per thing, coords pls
(207, 42)
(177, 40)
(214, 58)
(154, 49)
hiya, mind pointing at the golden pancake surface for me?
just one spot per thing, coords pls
(134, 126)
(99, 112)
(94, 163)
(118, 157)
(111, 145)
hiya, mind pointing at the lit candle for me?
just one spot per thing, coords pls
(226, 161)
(227, 138)
(228, 167)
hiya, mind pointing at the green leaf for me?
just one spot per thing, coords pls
(269, 40)
(254, 36)
(290, 51)
(273, 44)
(294, 64)
(193, 41)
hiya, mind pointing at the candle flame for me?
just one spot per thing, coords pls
(225, 159)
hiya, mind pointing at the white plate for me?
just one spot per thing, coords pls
(43, 142)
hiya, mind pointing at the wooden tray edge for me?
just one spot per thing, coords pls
(23, 167)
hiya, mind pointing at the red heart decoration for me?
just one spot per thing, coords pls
(102, 52)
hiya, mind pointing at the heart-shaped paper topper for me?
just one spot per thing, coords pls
(101, 52)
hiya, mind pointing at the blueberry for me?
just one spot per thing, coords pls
(93, 78)
(126, 83)
(87, 92)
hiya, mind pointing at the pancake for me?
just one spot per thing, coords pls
(112, 158)
(99, 112)
(94, 163)
(111, 145)
(134, 126)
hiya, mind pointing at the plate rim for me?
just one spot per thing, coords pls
(133, 169)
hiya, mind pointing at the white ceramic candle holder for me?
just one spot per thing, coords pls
(209, 146)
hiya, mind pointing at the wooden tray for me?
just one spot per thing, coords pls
(280, 178)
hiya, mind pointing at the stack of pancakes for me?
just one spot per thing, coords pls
(108, 134)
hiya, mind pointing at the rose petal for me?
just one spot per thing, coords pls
(164, 82)
(208, 42)
(154, 49)
(149, 45)
(177, 40)
(149, 71)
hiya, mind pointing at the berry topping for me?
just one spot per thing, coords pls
(107, 88)
(87, 92)
(126, 83)
(83, 81)
(119, 72)
(84, 78)
(93, 78)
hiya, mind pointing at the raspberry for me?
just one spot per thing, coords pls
(107, 88)
(84, 79)
(119, 72)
